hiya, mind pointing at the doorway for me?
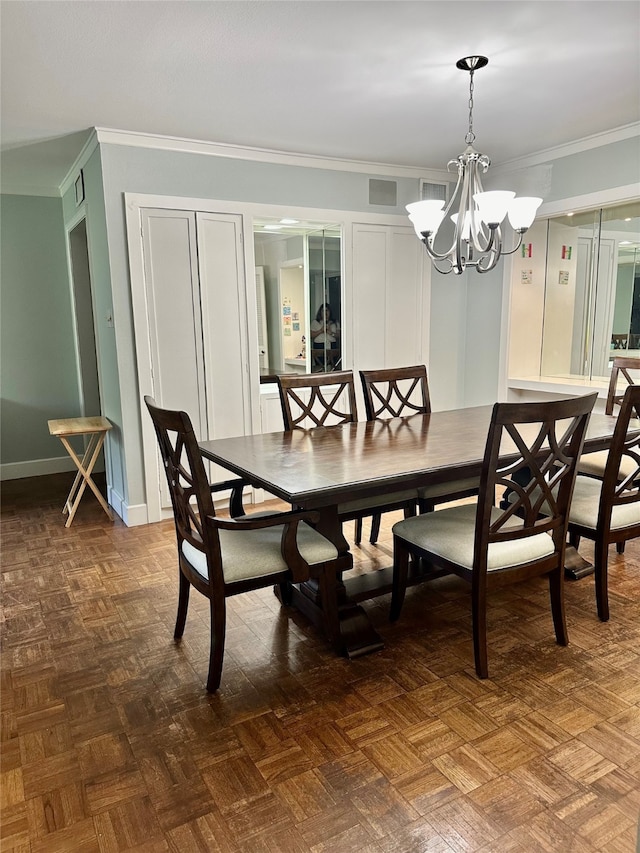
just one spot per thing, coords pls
(84, 319)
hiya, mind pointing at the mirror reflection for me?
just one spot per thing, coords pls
(592, 280)
(299, 295)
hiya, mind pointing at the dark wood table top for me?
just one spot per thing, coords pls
(319, 467)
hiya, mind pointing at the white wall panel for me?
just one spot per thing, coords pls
(404, 300)
(370, 274)
(390, 297)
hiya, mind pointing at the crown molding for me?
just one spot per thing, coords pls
(600, 198)
(597, 140)
(264, 155)
(87, 150)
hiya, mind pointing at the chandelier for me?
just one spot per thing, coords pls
(477, 239)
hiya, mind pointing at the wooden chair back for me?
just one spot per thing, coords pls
(625, 445)
(186, 476)
(621, 365)
(395, 392)
(547, 440)
(331, 399)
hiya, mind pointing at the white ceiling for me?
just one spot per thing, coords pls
(361, 80)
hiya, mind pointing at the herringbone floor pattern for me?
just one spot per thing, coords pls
(110, 742)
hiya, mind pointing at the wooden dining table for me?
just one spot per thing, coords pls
(322, 467)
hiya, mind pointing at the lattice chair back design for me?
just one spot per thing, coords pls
(328, 399)
(400, 392)
(531, 450)
(594, 464)
(221, 557)
(395, 392)
(629, 369)
(313, 400)
(608, 510)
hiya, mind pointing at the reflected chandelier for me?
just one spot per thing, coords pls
(478, 237)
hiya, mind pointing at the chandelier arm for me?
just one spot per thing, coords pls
(493, 255)
(517, 246)
(466, 196)
(478, 227)
(430, 247)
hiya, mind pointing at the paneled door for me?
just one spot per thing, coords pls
(390, 297)
(194, 328)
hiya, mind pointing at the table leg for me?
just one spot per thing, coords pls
(85, 469)
(354, 635)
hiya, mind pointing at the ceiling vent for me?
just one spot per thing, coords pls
(434, 192)
(383, 192)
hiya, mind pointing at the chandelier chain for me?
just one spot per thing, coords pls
(469, 138)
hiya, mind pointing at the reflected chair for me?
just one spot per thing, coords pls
(608, 510)
(594, 464)
(629, 368)
(222, 557)
(489, 546)
(399, 392)
(325, 400)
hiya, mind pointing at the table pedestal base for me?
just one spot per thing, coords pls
(575, 566)
(357, 636)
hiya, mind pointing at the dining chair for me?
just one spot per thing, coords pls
(222, 557)
(490, 546)
(594, 464)
(399, 392)
(607, 510)
(328, 399)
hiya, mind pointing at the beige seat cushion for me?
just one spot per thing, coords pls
(256, 553)
(586, 501)
(594, 464)
(450, 533)
(444, 489)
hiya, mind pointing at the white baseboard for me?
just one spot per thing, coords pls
(39, 468)
(132, 515)
(36, 468)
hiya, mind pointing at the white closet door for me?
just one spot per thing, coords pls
(173, 308)
(195, 328)
(390, 297)
(174, 327)
(224, 324)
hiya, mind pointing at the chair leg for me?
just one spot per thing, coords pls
(400, 573)
(600, 561)
(358, 532)
(479, 618)
(183, 606)
(375, 527)
(556, 593)
(620, 547)
(218, 615)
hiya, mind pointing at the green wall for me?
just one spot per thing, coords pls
(38, 375)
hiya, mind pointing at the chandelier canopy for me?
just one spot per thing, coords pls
(478, 236)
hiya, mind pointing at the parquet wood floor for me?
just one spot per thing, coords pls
(110, 742)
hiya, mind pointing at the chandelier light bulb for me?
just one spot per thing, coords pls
(426, 215)
(522, 212)
(493, 206)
